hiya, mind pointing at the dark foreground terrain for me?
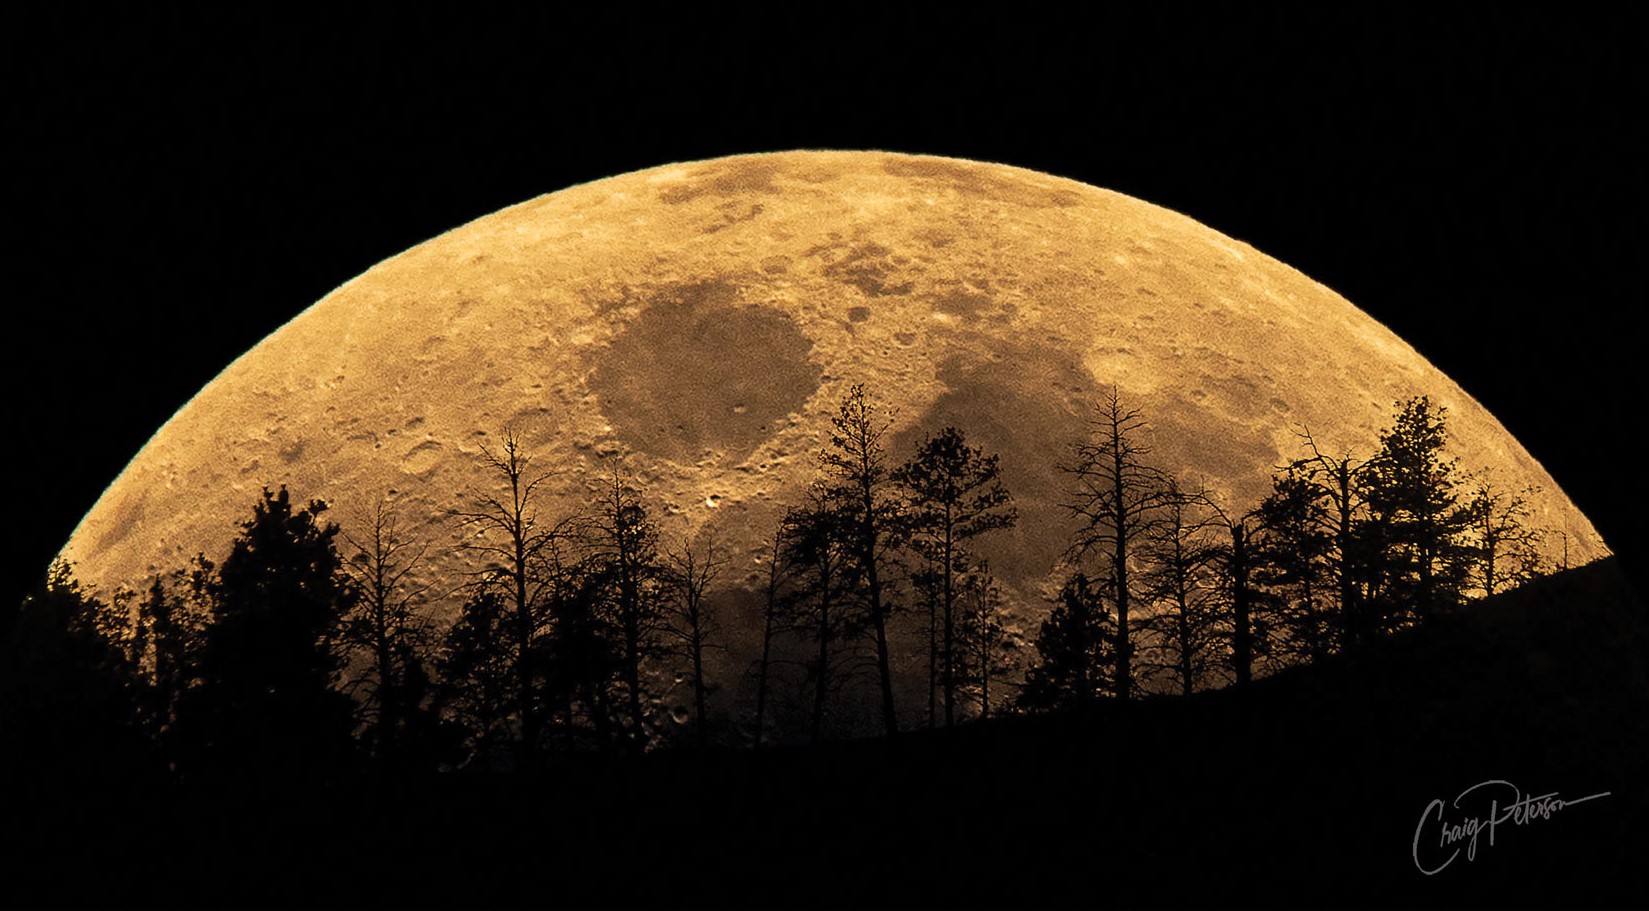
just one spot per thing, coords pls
(1307, 790)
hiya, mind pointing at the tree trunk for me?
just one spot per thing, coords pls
(878, 619)
(1350, 611)
(632, 678)
(523, 658)
(765, 663)
(1185, 644)
(699, 694)
(933, 660)
(822, 677)
(950, 624)
(1242, 644)
(1125, 670)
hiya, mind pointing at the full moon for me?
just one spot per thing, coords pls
(702, 322)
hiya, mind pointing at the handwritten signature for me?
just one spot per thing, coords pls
(1516, 809)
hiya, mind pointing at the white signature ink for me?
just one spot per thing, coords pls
(1517, 810)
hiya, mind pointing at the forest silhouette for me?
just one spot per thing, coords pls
(305, 668)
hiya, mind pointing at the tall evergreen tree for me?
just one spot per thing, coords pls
(265, 699)
(68, 694)
(954, 494)
(1416, 525)
(581, 659)
(479, 675)
(988, 646)
(1076, 649)
(856, 471)
(172, 616)
(1293, 564)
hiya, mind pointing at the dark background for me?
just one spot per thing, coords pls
(186, 180)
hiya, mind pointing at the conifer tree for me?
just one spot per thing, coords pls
(1416, 529)
(1076, 649)
(954, 494)
(856, 471)
(266, 698)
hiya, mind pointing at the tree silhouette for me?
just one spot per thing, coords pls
(1293, 563)
(1179, 577)
(855, 467)
(68, 695)
(478, 672)
(170, 625)
(520, 550)
(814, 542)
(265, 700)
(1076, 649)
(1117, 499)
(1238, 559)
(387, 628)
(986, 646)
(776, 577)
(1504, 548)
(625, 542)
(693, 624)
(1341, 481)
(1415, 524)
(581, 659)
(954, 494)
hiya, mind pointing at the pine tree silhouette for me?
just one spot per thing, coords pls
(1077, 651)
(265, 701)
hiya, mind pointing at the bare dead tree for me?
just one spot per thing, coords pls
(387, 625)
(1342, 480)
(693, 624)
(1180, 579)
(776, 574)
(625, 540)
(1237, 560)
(1505, 547)
(521, 551)
(1117, 500)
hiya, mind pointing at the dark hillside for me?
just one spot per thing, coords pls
(1304, 791)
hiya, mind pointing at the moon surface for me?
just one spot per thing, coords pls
(703, 321)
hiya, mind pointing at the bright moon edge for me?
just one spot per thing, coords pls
(992, 297)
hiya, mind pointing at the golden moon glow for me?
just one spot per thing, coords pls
(706, 319)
